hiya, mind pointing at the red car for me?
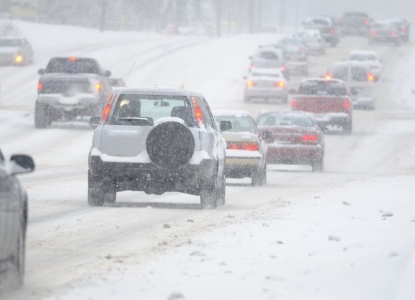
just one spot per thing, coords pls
(327, 99)
(296, 139)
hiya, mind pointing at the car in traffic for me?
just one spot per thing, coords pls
(70, 87)
(246, 149)
(268, 56)
(327, 27)
(267, 84)
(327, 99)
(404, 28)
(13, 218)
(294, 138)
(369, 58)
(355, 23)
(295, 54)
(359, 80)
(157, 140)
(15, 51)
(385, 32)
(312, 40)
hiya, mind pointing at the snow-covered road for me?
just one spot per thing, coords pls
(347, 233)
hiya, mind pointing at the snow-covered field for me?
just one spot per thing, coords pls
(347, 233)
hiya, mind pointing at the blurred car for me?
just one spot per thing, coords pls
(312, 40)
(268, 57)
(268, 84)
(404, 28)
(385, 32)
(326, 26)
(246, 150)
(359, 81)
(295, 138)
(368, 58)
(157, 140)
(327, 99)
(15, 51)
(70, 87)
(116, 82)
(13, 216)
(355, 23)
(295, 54)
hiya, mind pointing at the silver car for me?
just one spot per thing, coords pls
(268, 84)
(157, 140)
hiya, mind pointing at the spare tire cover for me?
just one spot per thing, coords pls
(170, 145)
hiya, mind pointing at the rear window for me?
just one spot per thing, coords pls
(322, 88)
(73, 66)
(151, 107)
(358, 74)
(239, 124)
(362, 57)
(10, 43)
(267, 55)
(342, 72)
(284, 120)
(258, 74)
(67, 87)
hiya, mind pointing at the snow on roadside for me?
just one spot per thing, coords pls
(348, 242)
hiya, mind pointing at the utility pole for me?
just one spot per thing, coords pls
(103, 15)
(218, 17)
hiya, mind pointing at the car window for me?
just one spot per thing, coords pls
(339, 72)
(363, 57)
(358, 74)
(207, 115)
(284, 120)
(73, 66)
(152, 107)
(258, 74)
(322, 88)
(239, 123)
(267, 55)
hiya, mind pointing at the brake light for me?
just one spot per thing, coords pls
(373, 32)
(72, 58)
(243, 146)
(328, 76)
(367, 22)
(250, 83)
(332, 30)
(197, 110)
(98, 86)
(347, 103)
(309, 138)
(394, 33)
(283, 67)
(280, 84)
(40, 86)
(107, 109)
(251, 66)
(370, 77)
(294, 103)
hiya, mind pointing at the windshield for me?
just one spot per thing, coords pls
(10, 43)
(151, 107)
(73, 66)
(322, 88)
(239, 124)
(267, 55)
(284, 120)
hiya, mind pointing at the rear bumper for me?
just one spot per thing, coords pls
(268, 93)
(294, 154)
(61, 103)
(239, 167)
(385, 39)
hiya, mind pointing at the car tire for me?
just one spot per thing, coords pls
(285, 99)
(19, 258)
(247, 99)
(318, 166)
(259, 178)
(221, 197)
(209, 195)
(347, 128)
(96, 194)
(42, 116)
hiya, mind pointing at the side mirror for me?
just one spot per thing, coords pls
(292, 91)
(225, 125)
(250, 57)
(22, 164)
(41, 71)
(107, 73)
(94, 122)
(266, 135)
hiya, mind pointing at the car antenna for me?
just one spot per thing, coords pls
(131, 70)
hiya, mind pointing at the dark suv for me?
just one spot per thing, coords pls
(13, 217)
(70, 87)
(157, 140)
(355, 23)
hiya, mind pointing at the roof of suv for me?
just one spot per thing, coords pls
(157, 91)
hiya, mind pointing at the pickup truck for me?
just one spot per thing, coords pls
(327, 99)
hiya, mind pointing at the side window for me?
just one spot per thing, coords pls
(211, 117)
(206, 114)
(254, 125)
(1, 158)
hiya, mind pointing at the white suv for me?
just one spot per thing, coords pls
(157, 140)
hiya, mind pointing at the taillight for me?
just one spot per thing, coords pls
(18, 59)
(251, 66)
(243, 146)
(332, 30)
(98, 86)
(367, 22)
(197, 110)
(283, 67)
(73, 59)
(250, 83)
(394, 33)
(280, 84)
(40, 86)
(373, 32)
(107, 109)
(370, 77)
(347, 103)
(328, 76)
(309, 138)
(294, 103)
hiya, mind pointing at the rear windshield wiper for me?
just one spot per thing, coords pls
(137, 121)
